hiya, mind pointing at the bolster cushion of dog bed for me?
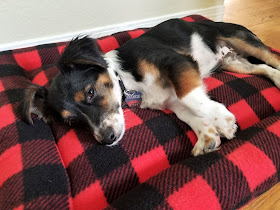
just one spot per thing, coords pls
(59, 167)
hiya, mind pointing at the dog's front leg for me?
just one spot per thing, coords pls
(208, 137)
(202, 106)
(208, 119)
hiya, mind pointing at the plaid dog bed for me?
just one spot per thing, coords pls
(58, 167)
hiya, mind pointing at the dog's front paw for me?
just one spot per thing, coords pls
(208, 141)
(226, 127)
(224, 121)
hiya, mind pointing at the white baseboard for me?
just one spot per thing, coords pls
(215, 13)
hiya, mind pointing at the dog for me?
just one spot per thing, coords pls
(167, 64)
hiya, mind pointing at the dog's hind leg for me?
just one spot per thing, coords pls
(241, 65)
(249, 45)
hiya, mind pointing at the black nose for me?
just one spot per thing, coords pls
(112, 137)
(109, 136)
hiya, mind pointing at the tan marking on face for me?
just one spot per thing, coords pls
(187, 81)
(104, 88)
(103, 83)
(87, 87)
(199, 132)
(79, 96)
(216, 118)
(103, 79)
(105, 102)
(65, 113)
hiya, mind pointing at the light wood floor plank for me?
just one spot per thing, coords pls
(270, 200)
(261, 17)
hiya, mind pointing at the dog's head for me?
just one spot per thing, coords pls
(86, 91)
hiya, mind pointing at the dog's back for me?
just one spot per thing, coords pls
(168, 63)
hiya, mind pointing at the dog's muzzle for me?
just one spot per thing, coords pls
(111, 129)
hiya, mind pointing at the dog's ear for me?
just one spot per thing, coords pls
(83, 53)
(34, 102)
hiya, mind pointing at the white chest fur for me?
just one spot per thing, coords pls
(153, 96)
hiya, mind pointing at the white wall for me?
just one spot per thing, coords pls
(23, 21)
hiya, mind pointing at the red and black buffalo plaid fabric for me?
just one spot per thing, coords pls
(58, 167)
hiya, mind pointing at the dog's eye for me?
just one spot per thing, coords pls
(90, 93)
(72, 121)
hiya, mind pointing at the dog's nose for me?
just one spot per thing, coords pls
(109, 136)
(112, 137)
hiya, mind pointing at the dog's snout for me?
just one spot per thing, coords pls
(109, 136)
(112, 137)
(111, 129)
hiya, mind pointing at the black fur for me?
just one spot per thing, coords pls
(159, 44)
(80, 65)
(81, 54)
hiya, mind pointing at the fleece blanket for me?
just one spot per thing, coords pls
(59, 167)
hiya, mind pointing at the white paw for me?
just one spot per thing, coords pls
(208, 140)
(274, 75)
(224, 121)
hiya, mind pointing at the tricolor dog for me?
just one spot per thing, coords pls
(167, 65)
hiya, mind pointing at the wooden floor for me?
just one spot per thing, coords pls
(262, 17)
(270, 200)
